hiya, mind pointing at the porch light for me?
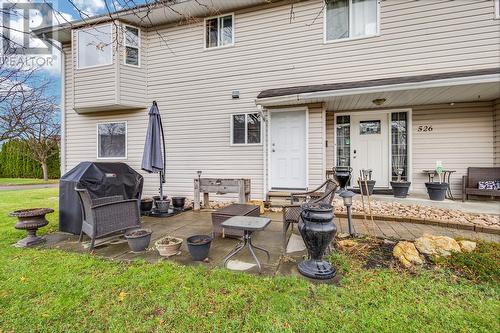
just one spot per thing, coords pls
(347, 195)
(379, 101)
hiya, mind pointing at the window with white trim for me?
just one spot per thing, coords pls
(132, 43)
(246, 128)
(94, 46)
(347, 19)
(219, 31)
(497, 8)
(112, 140)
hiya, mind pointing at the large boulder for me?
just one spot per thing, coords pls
(437, 245)
(407, 254)
(467, 246)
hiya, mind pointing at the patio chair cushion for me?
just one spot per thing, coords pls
(487, 185)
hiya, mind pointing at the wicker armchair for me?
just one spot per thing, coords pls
(108, 215)
(291, 213)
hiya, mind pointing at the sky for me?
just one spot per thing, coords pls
(65, 11)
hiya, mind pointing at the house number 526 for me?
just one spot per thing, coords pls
(424, 128)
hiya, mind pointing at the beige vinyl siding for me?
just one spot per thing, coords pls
(462, 137)
(496, 143)
(94, 86)
(193, 86)
(132, 88)
(316, 139)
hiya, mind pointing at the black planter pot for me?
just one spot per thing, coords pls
(178, 202)
(400, 189)
(362, 186)
(138, 239)
(342, 175)
(317, 229)
(146, 205)
(437, 191)
(199, 246)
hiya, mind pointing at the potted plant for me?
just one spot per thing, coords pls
(168, 246)
(437, 190)
(146, 205)
(400, 187)
(178, 202)
(198, 246)
(365, 182)
(138, 239)
(162, 204)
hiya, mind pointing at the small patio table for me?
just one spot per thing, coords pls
(446, 178)
(248, 224)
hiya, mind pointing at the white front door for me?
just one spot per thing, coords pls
(370, 147)
(288, 150)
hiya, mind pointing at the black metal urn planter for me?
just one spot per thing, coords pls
(437, 191)
(342, 174)
(199, 246)
(138, 239)
(31, 220)
(161, 204)
(400, 188)
(317, 229)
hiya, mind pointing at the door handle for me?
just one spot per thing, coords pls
(354, 154)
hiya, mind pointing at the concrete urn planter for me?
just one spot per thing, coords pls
(31, 220)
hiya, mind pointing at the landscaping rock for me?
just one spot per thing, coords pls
(467, 246)
(437, 245)
(407, 254)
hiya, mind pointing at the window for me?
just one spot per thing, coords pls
(367, 127)
(95, 46)
(112, 140)
(497, 9)
(219, 31)
(399, 145)
(343, 140)
(246, 128)
(132, 43)
(351, 19)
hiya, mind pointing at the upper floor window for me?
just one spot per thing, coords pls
(245, 128)
(497, 8)
(112, 140)
(347, 19)
(132, 43)
(219, 31)
(94, 47)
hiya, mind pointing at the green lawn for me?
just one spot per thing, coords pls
(54, 291)
(25, 181)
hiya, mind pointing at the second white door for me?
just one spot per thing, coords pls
(370, 147)
(288, 150)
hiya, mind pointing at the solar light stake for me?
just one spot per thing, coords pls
(347, 197)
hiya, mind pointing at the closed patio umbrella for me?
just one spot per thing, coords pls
(152, 159)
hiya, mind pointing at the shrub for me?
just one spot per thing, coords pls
(15, 163)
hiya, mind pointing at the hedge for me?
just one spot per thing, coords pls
(14, 163)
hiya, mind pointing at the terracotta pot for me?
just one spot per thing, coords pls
(170, 249)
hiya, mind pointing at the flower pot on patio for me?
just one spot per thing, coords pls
(178, 202)
(162, 206)
(30, 220)
(138, 239)
(400, 188)
(362, 186)
(436, 191)
(168, 246)
(198, 246)
(146, 205)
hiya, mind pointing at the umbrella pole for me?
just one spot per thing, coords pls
(161, 186)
